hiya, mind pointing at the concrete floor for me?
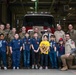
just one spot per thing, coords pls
(37, 72)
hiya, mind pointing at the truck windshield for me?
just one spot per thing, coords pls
(38, 20)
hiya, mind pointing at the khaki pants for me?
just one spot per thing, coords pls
(68, 61)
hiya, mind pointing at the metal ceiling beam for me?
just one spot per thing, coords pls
(40, 4)
(36, 5)
(30, 4)
(52, 5)
(12, 1)
(44, 2)
(22, 6)
(69, 1)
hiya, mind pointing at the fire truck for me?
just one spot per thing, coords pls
(40, 20)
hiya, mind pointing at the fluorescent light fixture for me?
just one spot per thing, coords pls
(33, 0)
(31, 8)
(41, 12)
(70, 8)
(35, 12)
(46, 12)
(31, 12)
(64, 18)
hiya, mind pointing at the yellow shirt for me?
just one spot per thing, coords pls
(45, 43)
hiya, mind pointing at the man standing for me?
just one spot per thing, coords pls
(12, 33)
(23, 32)
(67, 58)
(36, 30)
(2, 29)
(22, 35)
(7, 30)
(10, 37)
(72, 32)
(59, 33)
(48, 33)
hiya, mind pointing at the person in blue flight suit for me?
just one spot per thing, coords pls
(3, 50)
(35, 51)
(60, 51)
(26, 49)
(53, 52)
(15, 49)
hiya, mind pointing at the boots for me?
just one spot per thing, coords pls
(64, 68)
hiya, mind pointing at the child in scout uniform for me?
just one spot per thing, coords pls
(60, 51)
(53, 52)
(3, 51)
(26, 49)
(44, 49)
(35, 51)
(15, 49)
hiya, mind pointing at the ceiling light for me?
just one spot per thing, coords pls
(70, 8)
(64, 18)
(35, 12)
(69, 14)
(33, 0)
(46, 12)
(41, 12)
(31, 8)
(31, 12)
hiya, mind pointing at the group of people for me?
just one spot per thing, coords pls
(37, 49)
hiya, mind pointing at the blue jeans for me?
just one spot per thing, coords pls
(27, 58)
(53, 59)
(16, 58)
(3, 58)
(44, 59)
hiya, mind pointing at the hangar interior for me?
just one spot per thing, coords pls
(13, 11)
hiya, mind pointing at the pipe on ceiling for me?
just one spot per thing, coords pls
(12, 1)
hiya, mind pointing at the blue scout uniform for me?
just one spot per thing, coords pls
(26, 45)
(35, 56)
(16, 44)
(3, 47)
(53, 54)
(35, 43)
(61, 51)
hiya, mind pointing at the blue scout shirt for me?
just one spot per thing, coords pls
(61, 50)
(3, 45)
(52, 45)
(35, 43)
(16, 44)
(27, 43)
